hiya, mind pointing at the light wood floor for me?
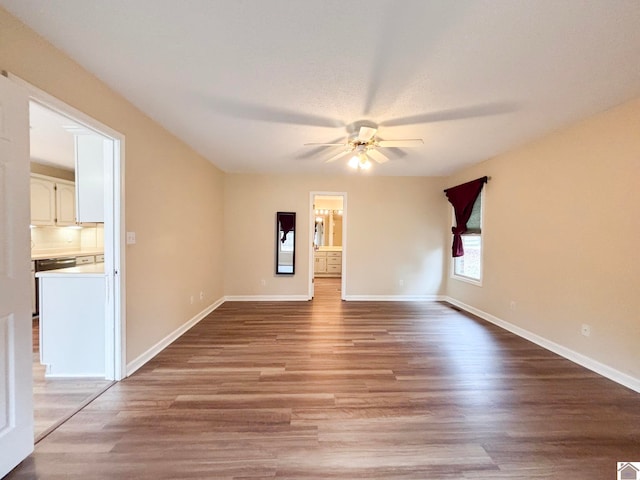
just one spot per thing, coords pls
(344, 390)
(55, 400)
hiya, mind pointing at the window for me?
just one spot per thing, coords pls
(469, 266)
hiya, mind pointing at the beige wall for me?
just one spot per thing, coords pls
(393, 230)
(173, 196)
(562, 238)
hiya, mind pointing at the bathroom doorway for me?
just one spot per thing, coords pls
(328, 227)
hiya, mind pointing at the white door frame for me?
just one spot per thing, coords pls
(114, 226)
(312, 221)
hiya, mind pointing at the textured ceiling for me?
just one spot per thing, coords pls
(247, 82)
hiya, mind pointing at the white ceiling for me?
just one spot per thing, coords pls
(52, 137)
(247, 82)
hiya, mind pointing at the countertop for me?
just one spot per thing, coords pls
(89, 270)
(39, 255)
(329, 249)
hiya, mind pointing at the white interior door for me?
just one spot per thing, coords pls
(16, 407)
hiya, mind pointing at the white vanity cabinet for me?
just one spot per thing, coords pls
(327, 263)
(319, 262)
(334, 263)
(53, 201)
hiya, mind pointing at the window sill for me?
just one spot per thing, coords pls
(472, 281)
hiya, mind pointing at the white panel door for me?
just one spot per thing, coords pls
(16, 407)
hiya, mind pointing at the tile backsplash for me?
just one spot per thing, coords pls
(67, 238)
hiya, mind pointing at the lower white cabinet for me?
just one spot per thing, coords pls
(72, 325)
(327, 263)
(320, 263)
(85, 259)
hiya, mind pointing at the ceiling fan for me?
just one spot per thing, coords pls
(365, 144)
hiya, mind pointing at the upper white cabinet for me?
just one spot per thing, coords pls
(52, 201)
(43, 201)
(90, 165)
(65, 203)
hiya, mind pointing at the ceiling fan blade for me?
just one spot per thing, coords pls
(316, 150)
(366, 133)
(328, 144)
(377, 156)
(336, 157)
(265, 113)
(454, 114)
(406, 142)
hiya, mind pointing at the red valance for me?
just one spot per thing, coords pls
(287, 223)
(462, 197)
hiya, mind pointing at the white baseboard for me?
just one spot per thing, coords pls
(394, 298)
(587, 362)
(266, 298)
(166, 341)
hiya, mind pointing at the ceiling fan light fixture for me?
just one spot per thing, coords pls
(360, 161)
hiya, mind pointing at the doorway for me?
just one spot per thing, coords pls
(52, 122)
(328, 252)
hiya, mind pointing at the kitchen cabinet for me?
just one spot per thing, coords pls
(91, 150)
(327, 263)
(53, 201)
(65, 203)
(85, 259)
(72, 321)
(43, 201)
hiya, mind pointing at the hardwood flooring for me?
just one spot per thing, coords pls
(344, 390)
(56, 400)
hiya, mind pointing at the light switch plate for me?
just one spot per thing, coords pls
(131, 238)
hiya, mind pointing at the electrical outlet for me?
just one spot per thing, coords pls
(585, 329)
(131, 238)
(263, 282)
(401, 282)
(191, 299)
(201, 296)
(512, 305)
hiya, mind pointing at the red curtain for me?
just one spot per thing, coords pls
(287, 223)
(462, 197)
